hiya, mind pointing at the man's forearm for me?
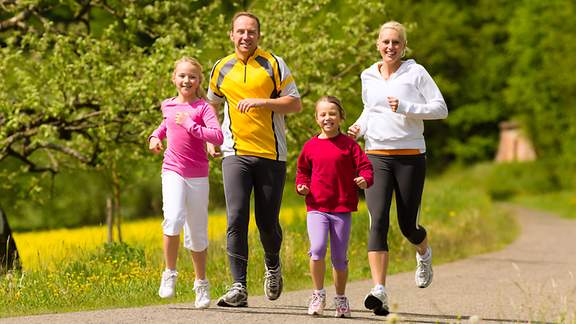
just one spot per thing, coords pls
(284, 105)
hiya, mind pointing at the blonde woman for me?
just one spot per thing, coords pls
(398, 95)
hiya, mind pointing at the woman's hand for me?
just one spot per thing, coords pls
(361, 182)
(302, 189)
(353, 131)
(393, 102)
(155, 145)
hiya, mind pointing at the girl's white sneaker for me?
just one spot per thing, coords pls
(168, 284)
(202, 289)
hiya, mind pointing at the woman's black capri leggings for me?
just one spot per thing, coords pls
(403, 175)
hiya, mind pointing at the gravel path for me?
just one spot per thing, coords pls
(534, 278)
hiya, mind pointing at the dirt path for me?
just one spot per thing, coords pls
(532, 279)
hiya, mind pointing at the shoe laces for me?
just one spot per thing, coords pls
(236, 288)
(341, 304)
(423, 266)
(317, 299)
(168, 277)
(201, 288)
(272, 277)
(424, 262)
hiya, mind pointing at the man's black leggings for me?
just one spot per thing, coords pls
(404, 176)
(241, 175)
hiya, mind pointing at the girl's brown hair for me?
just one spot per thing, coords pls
(335, 101)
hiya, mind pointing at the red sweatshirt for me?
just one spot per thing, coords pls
(328, 167)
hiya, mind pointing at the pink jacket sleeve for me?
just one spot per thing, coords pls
(159, 132)
(212, 132)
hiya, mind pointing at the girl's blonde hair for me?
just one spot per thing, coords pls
(392, 24)
(335, 101)
(200, 92)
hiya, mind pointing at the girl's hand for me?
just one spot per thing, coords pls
(181, 117)
(353, 131)
(213, 150)
(302, 189)
(361, 182)
(393, 102)
(155, 145)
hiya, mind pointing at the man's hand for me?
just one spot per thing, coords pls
(245, 104)
(302, 189)
(155, 145)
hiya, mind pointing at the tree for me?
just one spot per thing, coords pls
(9, 258)
(72, 98)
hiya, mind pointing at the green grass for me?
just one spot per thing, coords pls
(458, 214)
(562, 203)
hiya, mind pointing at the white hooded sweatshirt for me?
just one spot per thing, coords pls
(419, 99)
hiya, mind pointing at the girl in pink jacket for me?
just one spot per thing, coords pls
(188, 123)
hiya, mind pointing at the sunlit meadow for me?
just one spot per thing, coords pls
(48, 249)
(66, 270)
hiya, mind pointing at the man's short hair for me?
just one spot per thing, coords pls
(247, 14)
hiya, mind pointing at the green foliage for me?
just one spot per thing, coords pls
(541, 88)
(508, 180)
(82, 81)
(561, 203)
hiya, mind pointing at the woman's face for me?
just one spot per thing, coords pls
(390, 45)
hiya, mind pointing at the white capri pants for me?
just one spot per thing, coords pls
(185, 205)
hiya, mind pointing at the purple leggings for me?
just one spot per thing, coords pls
(338, 224)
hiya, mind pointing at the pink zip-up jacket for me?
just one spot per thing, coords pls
(186, 149)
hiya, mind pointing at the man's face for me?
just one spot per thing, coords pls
(245, 35)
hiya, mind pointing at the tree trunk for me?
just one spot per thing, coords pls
(116, 193)
(9, 258)
(110, 220)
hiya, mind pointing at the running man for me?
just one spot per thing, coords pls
(258, 90)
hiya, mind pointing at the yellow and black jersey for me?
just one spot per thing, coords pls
(260, 131)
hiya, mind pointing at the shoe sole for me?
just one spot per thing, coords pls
(222, 303)
(374, 304)
(316, 313)
(274, 297)
(343, 315)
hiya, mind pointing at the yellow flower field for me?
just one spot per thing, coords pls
(46, 249)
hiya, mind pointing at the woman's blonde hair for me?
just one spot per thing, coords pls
(200, 92)
(392, 24)
(397, 27)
